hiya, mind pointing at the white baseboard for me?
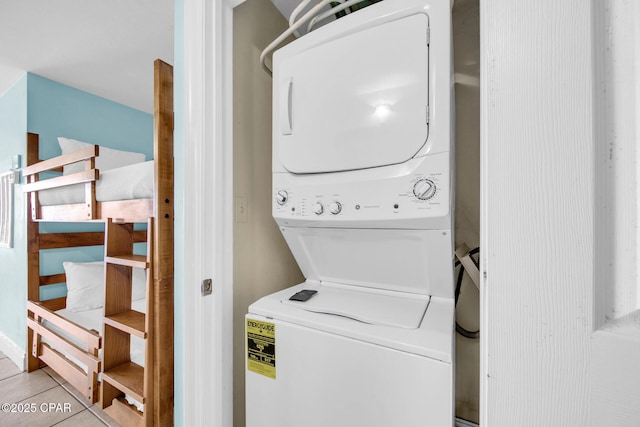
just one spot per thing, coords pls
(464, 423)
(12, 351)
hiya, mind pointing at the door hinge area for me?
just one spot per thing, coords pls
(428, 36)
(427, 118)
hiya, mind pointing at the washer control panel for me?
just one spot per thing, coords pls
(423, 192)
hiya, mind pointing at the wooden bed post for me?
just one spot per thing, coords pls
(163, 242)
(33, 249)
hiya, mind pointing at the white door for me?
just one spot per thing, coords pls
(560, 206)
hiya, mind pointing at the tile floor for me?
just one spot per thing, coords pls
(47, 397)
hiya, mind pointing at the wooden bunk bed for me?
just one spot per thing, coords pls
(82, 356)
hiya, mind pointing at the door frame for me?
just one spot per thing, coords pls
(208, 214)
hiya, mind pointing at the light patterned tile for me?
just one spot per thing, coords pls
(96, 408)
(25, 385)
(53, 374)
(8, 368)
(43, 410)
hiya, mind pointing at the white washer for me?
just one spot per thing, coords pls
(363, 194)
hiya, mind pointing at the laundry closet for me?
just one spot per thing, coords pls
(263, 263)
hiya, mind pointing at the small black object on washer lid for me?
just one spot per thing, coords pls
(303, 295)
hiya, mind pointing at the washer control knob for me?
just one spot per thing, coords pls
(424, 189)
(318, 208)
(281, 197)
(335, 208)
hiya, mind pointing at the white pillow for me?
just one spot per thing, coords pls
(107, 159)
(85, 285)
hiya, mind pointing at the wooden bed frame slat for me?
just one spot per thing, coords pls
(88, 238)
(138, 210)
(92, 362)
(63, 213)
(53, 279)
(75, 375)
(65, 159)
(65, 240)
(62, 181)
(55, 304)
(91, 338)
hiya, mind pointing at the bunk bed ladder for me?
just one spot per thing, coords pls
(120, 376)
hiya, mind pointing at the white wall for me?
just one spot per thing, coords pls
(262, 261)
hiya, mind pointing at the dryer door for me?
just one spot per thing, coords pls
(351, 96)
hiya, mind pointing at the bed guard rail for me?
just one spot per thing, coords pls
(58, 351)
(88, 176)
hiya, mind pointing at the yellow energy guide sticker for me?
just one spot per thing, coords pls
(261, 348)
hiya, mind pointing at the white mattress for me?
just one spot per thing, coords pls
(125, 183)
(92, 319)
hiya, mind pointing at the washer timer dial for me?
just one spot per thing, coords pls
(281, 197)
(424, 189)
(335, 208)
(318, 208)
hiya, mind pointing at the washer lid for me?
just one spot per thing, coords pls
(408, 261)
(371, 306)
(433, 338)
(352, 95)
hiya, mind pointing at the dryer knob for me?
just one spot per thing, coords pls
(335, 208)
(424, 189)
(281, 197)
(318, 208)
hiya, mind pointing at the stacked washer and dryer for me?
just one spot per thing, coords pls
(363, 159)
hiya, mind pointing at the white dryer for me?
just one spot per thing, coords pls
(363, 195)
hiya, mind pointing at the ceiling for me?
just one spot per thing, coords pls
(106, 48)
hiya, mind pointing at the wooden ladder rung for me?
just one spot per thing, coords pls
(137, 261)
(128, 378)
(131, 322)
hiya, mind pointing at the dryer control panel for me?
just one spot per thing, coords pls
(417, 191)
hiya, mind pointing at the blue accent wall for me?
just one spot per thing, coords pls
(13, 261)
(55, 109)
(51, 109)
